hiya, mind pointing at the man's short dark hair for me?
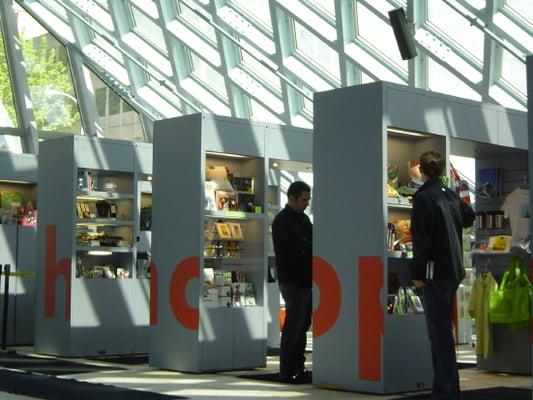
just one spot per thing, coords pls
(297, 188)
(432, 164)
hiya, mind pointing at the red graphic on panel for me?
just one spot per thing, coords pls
(51, 272)
(327, 311)
(371, 318)
(153, 293)
(185, 271)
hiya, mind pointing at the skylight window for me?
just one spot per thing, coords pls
(443, 81)
(320, 53)
(514, 72)
(208, 75)
(145, 26)
(455, 26)
(148, 6)
(379, 34)
(258, 8)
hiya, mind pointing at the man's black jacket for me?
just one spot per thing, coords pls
(437, 222)
(292, 234)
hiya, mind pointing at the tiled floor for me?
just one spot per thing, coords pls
(228, 386)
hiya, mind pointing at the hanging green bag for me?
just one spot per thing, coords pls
(511, 303)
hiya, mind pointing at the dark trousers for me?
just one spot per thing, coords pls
(294, 334)
(438, 303)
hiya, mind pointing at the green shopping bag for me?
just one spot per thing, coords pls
(511, 303)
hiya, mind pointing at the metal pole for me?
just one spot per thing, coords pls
(6, 303)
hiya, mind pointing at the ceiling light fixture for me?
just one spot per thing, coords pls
(407, 132)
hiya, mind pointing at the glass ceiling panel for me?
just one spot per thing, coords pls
(371, 64)
(248, 32)
(208, 75)
(324, 56)
(255, 89)
(307, 75)
(257, 8)
(456, 28)
(443, 81)
(260, 113)
(103, 3)
(51, 19)
(311, 19)
(192, 40)
(250, 64)
(8, 116)
(107, 62)
(148, 53)
(477, 4)
(210, 102)
(514, 72)
(324, 5)
(198, 23)
(148, 6)
(96, 13)
(524, 8)
(514, 31)
(164, 108)
(502, 97)
(379, 34)
(145, 26)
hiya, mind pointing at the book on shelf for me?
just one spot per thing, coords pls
(488, 183)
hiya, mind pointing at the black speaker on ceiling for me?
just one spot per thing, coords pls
(403, 34)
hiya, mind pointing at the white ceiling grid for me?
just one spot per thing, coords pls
(262, 59)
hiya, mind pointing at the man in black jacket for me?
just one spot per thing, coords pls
(292, 234)
(437, 222)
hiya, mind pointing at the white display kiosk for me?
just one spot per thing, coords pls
(91, 299)
(357, 132)
(200, 325)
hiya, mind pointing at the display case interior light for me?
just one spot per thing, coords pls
(99, 252)
(227, 155)
(14, 181)
(407, 132)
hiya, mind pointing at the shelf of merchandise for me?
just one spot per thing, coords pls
(233, 215)
(377, 346)
(82, 311)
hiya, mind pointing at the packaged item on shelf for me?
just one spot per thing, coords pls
(488, 183)
(249, 294)
(223, 230)
(242, 183)
(236, 230)
(209, 277)
(226, 201)
(10, 200)
(238, 290)
(500, 243)
(414, 304)
(210, 200)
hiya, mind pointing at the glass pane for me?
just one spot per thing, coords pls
(455, 26)
(55, 106)
(260, 71)
(514, 71)
(196, 22)
(144, 25)
(8, 117)
(258, 8)
(443, 81)
(260, 113)
(524, 8)
(317, 50)
(326, 5)
(117, 119)
(208, 75)
(379, 34)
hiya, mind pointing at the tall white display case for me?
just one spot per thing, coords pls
(358, 132)
(208, 238)
(90, 300)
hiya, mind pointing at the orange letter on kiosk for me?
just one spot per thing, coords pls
(51, 271)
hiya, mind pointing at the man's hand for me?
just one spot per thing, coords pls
(419, 284)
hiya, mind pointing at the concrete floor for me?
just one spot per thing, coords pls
(228, 386)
